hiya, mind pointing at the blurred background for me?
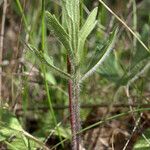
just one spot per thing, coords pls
(39, 98)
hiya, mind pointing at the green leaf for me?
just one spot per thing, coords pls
(121, 77)
(140, 52)
(48, 61)
(50, 78)
(100, 50)
(11, 121)
(111, 69)
(103, 55)
(64, 132)
(18, 144)
(71, 13)
(10, 132)
(134, 71)
(86, 30)
(142, 143)
(57, 29)
(10, 146)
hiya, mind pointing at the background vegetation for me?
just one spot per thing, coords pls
(115, 100)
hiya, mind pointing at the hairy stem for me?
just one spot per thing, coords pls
(73, 92)
(76, 92)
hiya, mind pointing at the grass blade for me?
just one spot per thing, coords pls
(43, 68)
(22, 13)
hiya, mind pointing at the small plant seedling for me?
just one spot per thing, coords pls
(73, 37)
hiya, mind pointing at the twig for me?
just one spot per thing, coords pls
(1, 44)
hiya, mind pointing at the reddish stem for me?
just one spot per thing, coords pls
(75, 144)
